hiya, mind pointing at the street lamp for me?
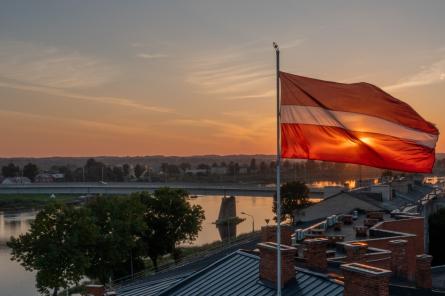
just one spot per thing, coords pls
(253, 220)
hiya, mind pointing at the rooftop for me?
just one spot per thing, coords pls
(235, 274)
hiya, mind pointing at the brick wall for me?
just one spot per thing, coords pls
(269, 234)
(383, 243)
(412, 226)
(268, 263)
(364, 280)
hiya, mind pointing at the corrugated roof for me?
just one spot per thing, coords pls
(149, 288)
(238, 274)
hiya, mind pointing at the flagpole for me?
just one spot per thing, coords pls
(278, 184)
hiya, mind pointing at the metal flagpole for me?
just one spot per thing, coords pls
(278, 185)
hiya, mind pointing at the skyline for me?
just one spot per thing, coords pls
(195, 78)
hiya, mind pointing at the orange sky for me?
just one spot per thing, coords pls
(198, 77)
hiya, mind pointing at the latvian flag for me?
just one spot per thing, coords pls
(354, 123)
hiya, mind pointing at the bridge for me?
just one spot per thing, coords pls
(127, 188)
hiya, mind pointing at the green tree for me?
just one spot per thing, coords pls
(294, 197)
(117, 248)
(10, 170)
(185, 166)
(56, 247)
(93, 170)
(126, 170)
(170, 220)
(252, 166)
(30, 171)
(138, 170)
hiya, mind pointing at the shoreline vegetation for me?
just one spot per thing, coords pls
(20, 202)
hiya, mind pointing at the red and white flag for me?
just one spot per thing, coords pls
(354, 123)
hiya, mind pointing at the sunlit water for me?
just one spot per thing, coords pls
(14, 280)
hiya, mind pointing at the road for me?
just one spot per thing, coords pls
(127, 188)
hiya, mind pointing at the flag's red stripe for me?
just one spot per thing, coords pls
(361, 98)
(336, 144)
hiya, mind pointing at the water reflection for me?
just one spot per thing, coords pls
(14, 279)
(259, 207)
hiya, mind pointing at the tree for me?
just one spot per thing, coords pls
(263, 167)
(93, 170)
(126, 170)
(185, 166)
(170, 220)
(30, 171)
(138, 170)
(10, 170)
(117, 248)
(252, 166)
(118, 174)
(294, 197)
(55, 247)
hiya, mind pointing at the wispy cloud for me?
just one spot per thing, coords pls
(97, 99)
(432, 74)
(244, 71)
(89, 124)
(49, 70)
(150, 56)
(230, 74)
(52, 67)
(249, 127)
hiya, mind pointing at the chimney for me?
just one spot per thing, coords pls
(268, 263)
(365, 280)
(269, 234)
(356, 252)
(423, 271)
(399, 260)
(315, 253)
(95, 290)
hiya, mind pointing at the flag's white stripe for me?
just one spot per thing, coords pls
(354, 122)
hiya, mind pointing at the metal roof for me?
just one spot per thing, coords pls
(149, 288)
(238, 274)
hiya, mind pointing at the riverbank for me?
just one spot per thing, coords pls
(20, 202)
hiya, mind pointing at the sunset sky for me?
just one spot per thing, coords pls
(88, 78)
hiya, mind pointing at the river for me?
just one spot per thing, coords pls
(14, 280)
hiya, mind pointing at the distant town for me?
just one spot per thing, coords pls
(219, 169)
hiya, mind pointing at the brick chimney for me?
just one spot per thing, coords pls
(423, 271)
(268, 263)
(95, 290)
(315, 253)
(399, 260)
(356, 252)
(365, 280)
(269, 234)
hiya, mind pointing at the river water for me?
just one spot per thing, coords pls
(14, 280)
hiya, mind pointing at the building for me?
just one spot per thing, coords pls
(218, 171)
(16, 180)
(242, 273)
(196, 172)
(377, 197)
(375, 254)
(43, 178)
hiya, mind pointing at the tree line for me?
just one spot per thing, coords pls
(106, 238)
(253, 171)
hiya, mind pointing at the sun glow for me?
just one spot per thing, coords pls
(366, 140)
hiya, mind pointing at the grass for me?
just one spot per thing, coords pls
(30, 201)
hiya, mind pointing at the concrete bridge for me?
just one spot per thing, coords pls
(127, 188)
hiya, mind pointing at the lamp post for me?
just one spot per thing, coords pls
(253, 220)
